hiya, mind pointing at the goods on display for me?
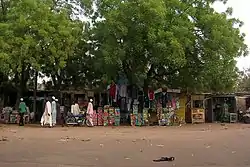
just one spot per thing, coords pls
(5, 114)
(106, 115)
(117, 116)
(145, 117)
(100, 116)
(133, 119)
(111, 116)
(95, 118)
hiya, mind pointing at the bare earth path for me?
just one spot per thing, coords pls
(205, 145)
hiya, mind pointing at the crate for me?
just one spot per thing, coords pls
(233, 117)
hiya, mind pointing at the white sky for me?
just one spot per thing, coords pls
(241, 10)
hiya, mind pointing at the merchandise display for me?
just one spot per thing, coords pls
(5, 114)
(95, 122)
(111, 116)
(133, 119)
(100, 116)
(117, 116)
(14, 117)
(106, 115)
(145, 116)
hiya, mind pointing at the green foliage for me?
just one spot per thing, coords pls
(35, 35)
(244, 81)
(178, 43)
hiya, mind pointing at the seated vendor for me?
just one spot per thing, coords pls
(75, 109)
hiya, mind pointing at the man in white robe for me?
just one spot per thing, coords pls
(47, 118)
(54, 111)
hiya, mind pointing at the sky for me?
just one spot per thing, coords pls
(241, 11)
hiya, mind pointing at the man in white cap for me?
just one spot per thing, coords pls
(47, 118)
(90, 112)
(22, 111)
(53, 111)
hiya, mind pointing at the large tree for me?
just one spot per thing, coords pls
(180, 43)
(36, 35)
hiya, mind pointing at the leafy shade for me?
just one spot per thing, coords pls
(177, 43)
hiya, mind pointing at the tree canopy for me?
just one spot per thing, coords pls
(153, 43)
(182, 43)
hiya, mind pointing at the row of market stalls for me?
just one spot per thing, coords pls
(123, 104)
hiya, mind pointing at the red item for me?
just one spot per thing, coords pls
(151, 95)
(112, 90)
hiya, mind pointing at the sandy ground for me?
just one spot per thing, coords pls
(204, 145)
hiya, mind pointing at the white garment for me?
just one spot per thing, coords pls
(47, 118)
(123, 90)
(129, 104)
(75, 109)
(54, 112)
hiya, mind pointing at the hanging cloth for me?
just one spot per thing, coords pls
(151, 95)
(112, 91)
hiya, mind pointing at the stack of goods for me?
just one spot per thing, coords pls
(111, 116)
(139, 120)
(5, 114)
(133, 119)
(106, 115)
(165, 117)
(136, 118)
(14, 117)
(160, 115)
(145, 117)
(94, 118)
(117, 116)
(99, 116)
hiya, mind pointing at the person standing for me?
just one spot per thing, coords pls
(22, 111)
(47, 118)
(90, 112)
(53, 111)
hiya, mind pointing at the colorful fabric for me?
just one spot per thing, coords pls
(112, 91)
(151, 95)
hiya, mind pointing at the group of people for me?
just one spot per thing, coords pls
(49, 116)
(75, 110)
(50, 113)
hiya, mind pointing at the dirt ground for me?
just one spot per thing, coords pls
(192, 146)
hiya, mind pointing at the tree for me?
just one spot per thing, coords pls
(178, 43)
(36, 36)
(244, 81)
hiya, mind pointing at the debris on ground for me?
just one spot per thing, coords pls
(86, 140)
(101, 145)
(4, 138)
(164, 159)
(65, 139)
(160, 145)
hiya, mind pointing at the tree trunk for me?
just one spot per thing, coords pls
(21, 83)
(34, 92)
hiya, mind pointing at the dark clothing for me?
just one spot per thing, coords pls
(21, 121)
(62, 119)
